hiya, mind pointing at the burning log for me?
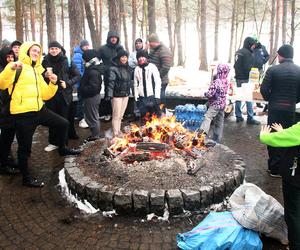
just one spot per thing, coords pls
(142, 156)
(152, 146)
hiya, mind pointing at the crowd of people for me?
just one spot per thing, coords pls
(38, 90)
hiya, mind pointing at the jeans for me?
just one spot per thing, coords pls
(238, 110)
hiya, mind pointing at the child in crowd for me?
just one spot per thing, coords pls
(147, 85)
(216, 95)
(89, 89)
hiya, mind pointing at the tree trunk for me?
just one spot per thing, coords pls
(254, 16)
(62, 20)
(25, 20)
(277, 25)
(263, 17)
(272, 22)
(293, 12)
(144, 20)
(217, 20)
(82, 18)
(89, 17)
(96, 17)
(243, 22)
(51, 20)
(178, 7)
(232, 31)
(169, 21)
(19, 20)
(123, 15)
(203, 60)
(41, 21)
(1, 28)
(32, 19)
(198, 27)
(151, 16)
(100, 20)
(134, 17)
(114, 16)
(284, 16)
(74, 9)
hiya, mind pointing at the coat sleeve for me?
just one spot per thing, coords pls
(265, 88)
(157, 81)
(211, 90)
(111, 82)
(135, 83)
(7, 77)
(132, 62)
(77, 60)
(286, 138)
(74, 75)
(166, 61)
(47, 90)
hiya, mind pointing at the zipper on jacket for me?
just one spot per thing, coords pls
(37, 89)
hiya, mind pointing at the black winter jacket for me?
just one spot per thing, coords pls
(119, 81)
(90, 83)
(244, 60)
(281, 86)
(65, 71)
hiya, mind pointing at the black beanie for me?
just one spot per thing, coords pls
(286, 51)
(89, 54)
(55, 44)
(83, 43)
(16, 42)
(141, 53)
(138, 40)
(122, 53)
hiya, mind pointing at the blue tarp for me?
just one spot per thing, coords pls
(219, 230)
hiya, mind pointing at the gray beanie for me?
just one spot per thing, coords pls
(153, 38)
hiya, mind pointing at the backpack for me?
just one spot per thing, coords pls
(5, 97)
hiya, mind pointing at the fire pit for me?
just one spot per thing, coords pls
(152, 166)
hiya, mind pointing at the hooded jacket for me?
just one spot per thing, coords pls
(244, 60)
(3, 53)
(31, 90)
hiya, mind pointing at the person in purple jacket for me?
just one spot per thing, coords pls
(216, 95)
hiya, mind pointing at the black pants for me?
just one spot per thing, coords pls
(148, 105)
(58, 106)
(26, 124)
(291, 196)
(6, 140)
(286, 119)
(71, 119)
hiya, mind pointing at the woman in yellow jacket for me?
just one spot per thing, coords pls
(27, 105)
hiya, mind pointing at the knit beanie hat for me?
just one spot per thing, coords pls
(16, 43)
(54, 44)
(84, 43)
(138, 40)
(153, 38)
(89, 54)
(5, 43)
(141, 53)
(286, 51)
(122, 53)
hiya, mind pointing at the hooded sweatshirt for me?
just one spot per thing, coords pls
(31, 90)
(3, 53)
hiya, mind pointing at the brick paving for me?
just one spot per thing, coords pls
(42, 219)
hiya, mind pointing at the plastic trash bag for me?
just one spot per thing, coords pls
(256, 210)
(219, 230)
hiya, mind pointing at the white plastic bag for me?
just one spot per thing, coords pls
(256, 210)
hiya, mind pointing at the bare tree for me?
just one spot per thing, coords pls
(1, 28)
(178, 7)
(169, 21)
(144, 19)
(89, 17)
(284, 18)
(243, 22)
(19, 21)
(51, 20)
(134, 17)
(62, 20)
(41, 21)
(277, 26)
(25, 20)
(293, 13)
(232, 30)
(272, 21)
(32, 19)
(151, 16)
(114, 16)
(217, 21)
(82, 18)
(74, 10)
(96, 17)
(203, 56)
(100, 20)
(123, 15)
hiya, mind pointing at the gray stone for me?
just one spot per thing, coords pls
(191, 199)
(175, 201)
(141, 202)
(92, 192)
(123, 201)
(105, 202)
(70, 159)
(157, 201)
(229, 184)
(241, 168)
(80, 185)
(207, 195)
(219, 191)
(68, 165)
(237, 177)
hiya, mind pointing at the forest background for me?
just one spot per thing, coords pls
(198, 32)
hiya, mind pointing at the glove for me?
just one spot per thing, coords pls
(107, 98)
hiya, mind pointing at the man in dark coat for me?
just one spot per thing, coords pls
(244, 61)
(106, 53)
(281, 88)
(161, 57)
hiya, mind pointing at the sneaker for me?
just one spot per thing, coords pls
(107, 118)
(275, 175)
(69, 151)
(83, 124)
(253, 122)
(32, 182)
(239, 119)
(91, 138)
(7, 170)
(50, 148)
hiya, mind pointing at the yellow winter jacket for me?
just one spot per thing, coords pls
(31, 89)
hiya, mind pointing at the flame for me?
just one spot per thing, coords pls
(164, 130)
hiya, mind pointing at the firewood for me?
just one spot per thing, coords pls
(152, 146)
(143, 156)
